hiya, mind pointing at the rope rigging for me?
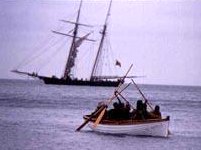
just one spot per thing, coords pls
(53, 55)
(39, 49)
(33, 58)
(27, 59)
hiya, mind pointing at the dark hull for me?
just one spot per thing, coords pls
(57, 81)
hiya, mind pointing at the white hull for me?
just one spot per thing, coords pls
(146, 129)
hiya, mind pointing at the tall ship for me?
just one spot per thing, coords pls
(68, 77)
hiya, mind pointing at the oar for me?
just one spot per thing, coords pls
(86, 121)
(97, 111)
(142, 94)
(110, 100)
(99, 118)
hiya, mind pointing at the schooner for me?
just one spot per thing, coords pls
(67, 78)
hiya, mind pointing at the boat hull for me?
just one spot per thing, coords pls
(157, 128)
(57, 81)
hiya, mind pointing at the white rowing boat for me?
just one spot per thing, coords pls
(150, 127)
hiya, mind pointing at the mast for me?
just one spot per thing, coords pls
(95, 66)
(70, 59)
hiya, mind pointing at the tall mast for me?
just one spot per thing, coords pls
(95, 66)
(70, 62)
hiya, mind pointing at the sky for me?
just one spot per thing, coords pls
(162, 39)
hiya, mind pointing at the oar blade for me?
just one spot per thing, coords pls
(86, 121)
(99, 117)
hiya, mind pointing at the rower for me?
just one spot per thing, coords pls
(120, 104)
(156, 114)
(139, 111)
(99, 106)
(144, 110)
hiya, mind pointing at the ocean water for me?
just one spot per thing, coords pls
(38, 116)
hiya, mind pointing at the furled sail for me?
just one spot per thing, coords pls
(77, 44)
(79, 41)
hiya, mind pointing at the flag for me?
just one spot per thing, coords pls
(118, 63)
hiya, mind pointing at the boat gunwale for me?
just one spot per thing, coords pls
(127, 122)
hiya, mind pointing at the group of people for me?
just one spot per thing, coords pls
(141, 112)
(124, 111)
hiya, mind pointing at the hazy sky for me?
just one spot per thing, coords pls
(161, 38)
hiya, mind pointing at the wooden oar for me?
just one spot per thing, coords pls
(99, 117)
(142, 94)
(110, 100)
(98, 111)
(86, 121)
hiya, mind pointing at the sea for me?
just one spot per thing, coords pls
(35, 116)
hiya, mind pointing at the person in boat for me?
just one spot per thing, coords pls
(117, 112)
(120, 104)
(123, 109)
(145, 112)
(141, 112)
(99, 106)
(120, 110)
(113, 113)
(128, 106)
(156, 114)
(127, 110)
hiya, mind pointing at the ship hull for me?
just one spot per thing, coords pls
(57, 81)
(158, 128)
